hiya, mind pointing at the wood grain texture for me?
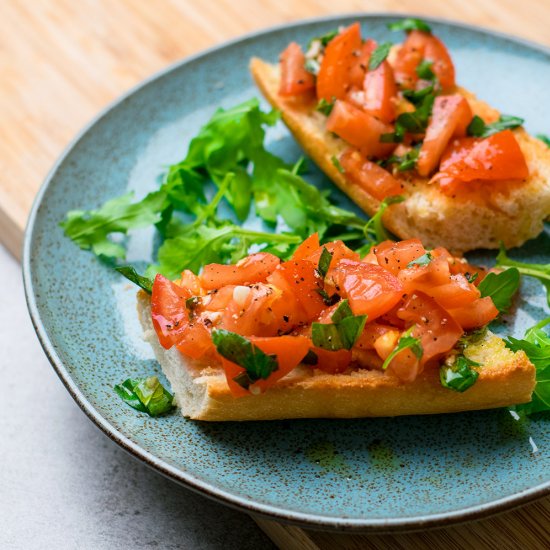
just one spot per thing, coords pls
(63, 60)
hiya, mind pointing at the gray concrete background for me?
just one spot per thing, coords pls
(63, 484)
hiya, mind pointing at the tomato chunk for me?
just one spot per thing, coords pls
(497, 157)
(310, 245)
(370, 289)
(168, 311)
(359, 129)
(360, 64)
(424, 46)
(476, 314)
(450, 117)
(396, 256)
(252, 269)
(295, 80)
(338, 250)
(380, 93)
(333, 80)
(332, 362)
(369, 176)
(196, 341)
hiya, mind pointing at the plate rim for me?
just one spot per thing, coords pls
(196, 484)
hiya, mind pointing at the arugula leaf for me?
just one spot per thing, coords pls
(90, 230)
(405, 342)
(536, 344)
(325, 106)
(545, 139)
(132, 275)
(324, 262)
(342, 333)
(146, 395)
(478, 128)
(500, 287)
(425, 259)
(460, 375)
(239, 350)
(379, 55)
(374, 230)
(537, 271)
(424, 70)
(410, 24)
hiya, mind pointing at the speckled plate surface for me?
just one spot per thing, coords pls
(354, 474)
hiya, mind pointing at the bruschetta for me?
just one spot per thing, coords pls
(382, 122)
(329, 334)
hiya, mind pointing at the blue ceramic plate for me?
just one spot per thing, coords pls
(348, 474)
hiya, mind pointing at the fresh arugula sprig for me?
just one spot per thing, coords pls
(460, 375)
(374, 230)
(239, 350)
(537, 271)
(342, 333)
(536, 344)
(500, 287)
(410, 24)
(478, 128)
(406, 341)
(379, 55)
(146, 395)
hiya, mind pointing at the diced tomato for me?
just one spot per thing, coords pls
(360, 64)
(333, 80)
(371, 333)
(168, 311)
(435, 327)
(310, 245)
(369, 176)
(359, 129)
(289, 352)
(396, 256)
(476, 314)
(196, 341)
(299, 281)
(332, 362)
(192, 282)
(456, 293)
(450, 118)
(295, 80)
(370, 289)
(217, 300)
(385, 343)
(497, 157)
(425, 277)
(380, 93)
(424, 46)
(252, 269)
(338, 250)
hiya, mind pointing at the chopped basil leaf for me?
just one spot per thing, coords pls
(379, 55)
(537, 271)
(425, 259)
(536, 344)
(460, 375)
(416, 96)
(414, 122)
(336, 163)
(342, 333)
(324, 39)
(374, 230)
(409, 24)
(328, 300)
(471, 277)
(324, 106)
(146, 395)
(405, 342)
(545, 139)
(132, 275)
(192, 303)
(472, 337)
(324, 262)
(404, 162)
(424, 70)
(478, 128)
(239, 350)
(500, 287)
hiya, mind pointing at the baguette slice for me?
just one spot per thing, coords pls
(202, 393)
(428, 214)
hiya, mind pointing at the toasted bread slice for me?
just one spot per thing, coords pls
(202, 393)
(459, 225)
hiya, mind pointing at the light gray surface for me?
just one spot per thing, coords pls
(64, 484)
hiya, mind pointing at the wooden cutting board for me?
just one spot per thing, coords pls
(63, 60)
